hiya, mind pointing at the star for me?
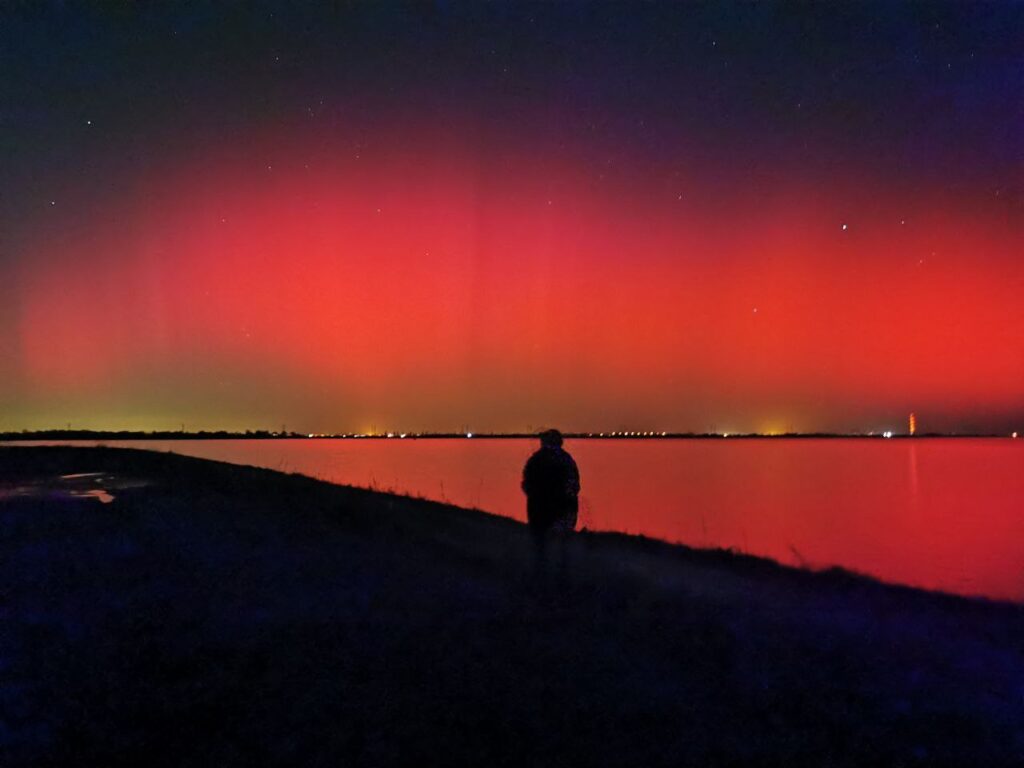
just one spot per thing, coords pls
(844, 227)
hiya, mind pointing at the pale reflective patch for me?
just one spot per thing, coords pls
(79, 485)
(96, 493)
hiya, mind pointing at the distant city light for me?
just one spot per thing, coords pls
(887, 434)
(469, 434)
(1014, 435)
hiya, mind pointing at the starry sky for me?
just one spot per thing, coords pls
(433, 216)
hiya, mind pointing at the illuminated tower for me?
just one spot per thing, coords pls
(913, 424)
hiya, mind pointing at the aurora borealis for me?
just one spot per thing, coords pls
(598, 216)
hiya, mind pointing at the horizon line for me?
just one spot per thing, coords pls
(263, 434)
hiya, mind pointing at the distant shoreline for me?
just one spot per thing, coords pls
(84, 435)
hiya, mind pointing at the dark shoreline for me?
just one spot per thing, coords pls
(220, 614)
(87, 435)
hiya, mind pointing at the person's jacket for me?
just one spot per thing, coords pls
(551, 475)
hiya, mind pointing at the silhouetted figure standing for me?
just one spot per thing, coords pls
(551, 482)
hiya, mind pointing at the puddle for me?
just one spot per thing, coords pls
(14, 492)
(96, 493)
(80, 485)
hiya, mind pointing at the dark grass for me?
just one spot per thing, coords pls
(226, 615)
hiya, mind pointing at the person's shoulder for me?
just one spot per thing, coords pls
(561, 457)
(536, 457)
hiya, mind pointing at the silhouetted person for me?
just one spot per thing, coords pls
(551, 482)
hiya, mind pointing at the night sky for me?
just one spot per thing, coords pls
(502, 216)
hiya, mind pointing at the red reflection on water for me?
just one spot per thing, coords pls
(941, 514)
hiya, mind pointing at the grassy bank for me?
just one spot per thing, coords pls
(220, 615)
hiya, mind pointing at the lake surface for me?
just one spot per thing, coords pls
(942, 513)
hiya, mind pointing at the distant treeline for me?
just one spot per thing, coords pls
(89, 434)
(262, 434)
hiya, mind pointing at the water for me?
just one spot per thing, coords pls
(942, 514)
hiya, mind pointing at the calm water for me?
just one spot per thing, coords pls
(943, 514)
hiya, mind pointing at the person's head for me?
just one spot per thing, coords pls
(551, 438)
